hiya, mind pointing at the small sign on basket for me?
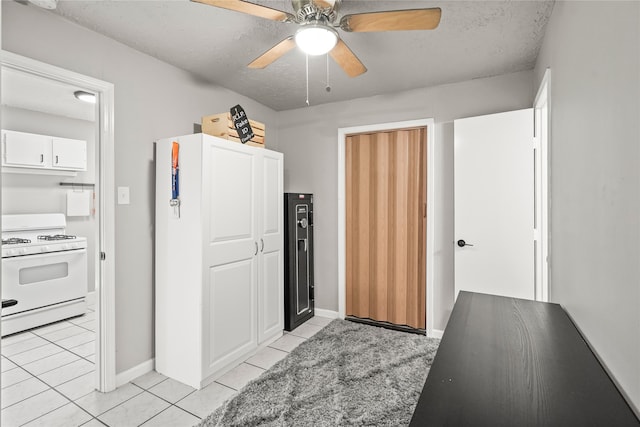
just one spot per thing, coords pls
(241, 123)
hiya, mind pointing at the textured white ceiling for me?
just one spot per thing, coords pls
(475, 39)
(30, 92)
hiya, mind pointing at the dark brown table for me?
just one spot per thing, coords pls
(512, 362)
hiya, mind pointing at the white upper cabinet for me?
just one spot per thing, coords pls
(69, 154)
(25, 150)
(33, 151)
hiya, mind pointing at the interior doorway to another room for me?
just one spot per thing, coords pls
(38, 103)
(385, 224)
(541, 183)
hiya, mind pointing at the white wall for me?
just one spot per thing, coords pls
(309, 141)
(593, 49)
(153, 100)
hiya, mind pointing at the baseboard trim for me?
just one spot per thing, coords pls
(436, 333)
(91, 298)
(326, 313)
(133, 373)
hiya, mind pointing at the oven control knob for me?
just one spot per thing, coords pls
(74, 245)
(23, 250)
(44, 249)
(11, 252)
(65, 247)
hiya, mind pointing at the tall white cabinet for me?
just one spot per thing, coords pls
(219, 265)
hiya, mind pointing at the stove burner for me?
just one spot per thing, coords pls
(15, 241)
(56, 237)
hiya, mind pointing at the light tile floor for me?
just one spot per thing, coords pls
(48, 379)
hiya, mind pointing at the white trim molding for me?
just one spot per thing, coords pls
(326, 313)
(431, 219)
(131, 374)
(436, 333)
(542, 140)
(105, 285)
(91, 298)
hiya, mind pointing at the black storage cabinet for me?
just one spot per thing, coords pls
(298, 259)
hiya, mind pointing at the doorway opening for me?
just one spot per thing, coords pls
(542, 133)
(425, 259)
(32, 105)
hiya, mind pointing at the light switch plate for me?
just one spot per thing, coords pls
(123, 195)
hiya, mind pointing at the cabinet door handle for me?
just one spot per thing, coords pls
(56, 160)
(41, 158)
(262, 243)
(256, 243)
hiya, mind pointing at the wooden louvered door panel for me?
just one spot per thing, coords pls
(385, 226)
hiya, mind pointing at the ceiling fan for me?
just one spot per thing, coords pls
(318, 22)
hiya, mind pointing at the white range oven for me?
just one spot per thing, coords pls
(43, 269)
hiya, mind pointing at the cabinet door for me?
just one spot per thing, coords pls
(69, 154)
(230, 253)
(25, 150)
(270, 223)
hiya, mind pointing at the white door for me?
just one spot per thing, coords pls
(270, 218)
(231, 253)
(494, 196)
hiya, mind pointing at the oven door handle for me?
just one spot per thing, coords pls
(8, 303)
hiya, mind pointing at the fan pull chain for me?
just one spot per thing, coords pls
(328, 88)
(307, 62)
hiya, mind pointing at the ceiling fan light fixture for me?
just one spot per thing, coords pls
(316, 39)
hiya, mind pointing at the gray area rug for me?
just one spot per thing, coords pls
(348, 374)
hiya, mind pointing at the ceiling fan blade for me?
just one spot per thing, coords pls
(274, 53)
(250, 9)
(393, 20)
(347, 60)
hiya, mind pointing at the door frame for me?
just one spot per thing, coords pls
(542, 119)
(105, 364)
(431, 220)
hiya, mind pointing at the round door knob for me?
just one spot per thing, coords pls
(303, 222)
(462, 243)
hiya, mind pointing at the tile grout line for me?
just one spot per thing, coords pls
(256, 366)
(21, 365)
(66, 349)
(299, 336)
(36, 336)
(148, 390)
(62, 366)
(21, 381)
(121, 403)
(37, 377)
(57, 367)
(68, 401)
(54, 387)
(54, 409)
(224, 385)
(136, 385)
(28, 397)
(171, 404)
(48, 341)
